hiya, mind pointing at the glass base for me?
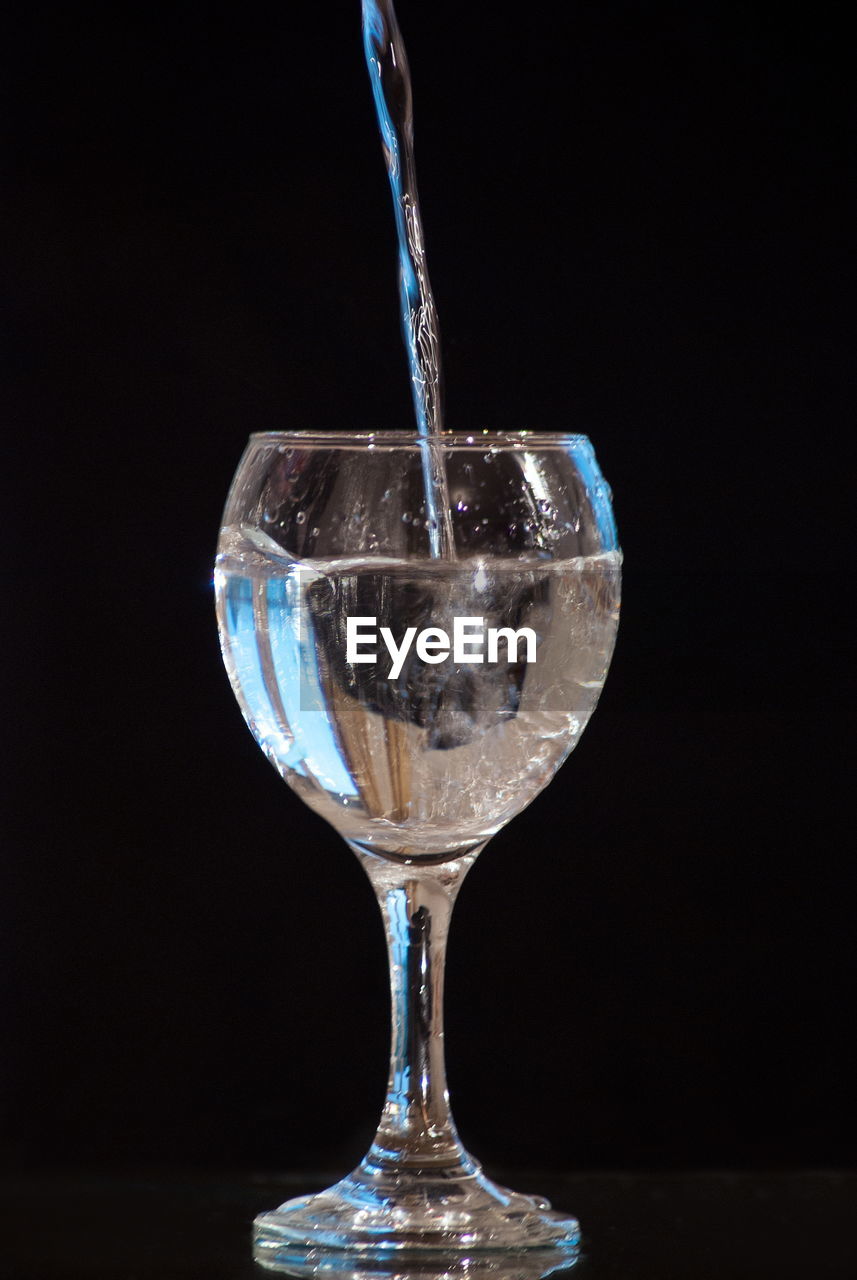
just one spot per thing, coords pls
(375, 1214)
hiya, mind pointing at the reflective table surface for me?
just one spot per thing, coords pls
(663, 1226)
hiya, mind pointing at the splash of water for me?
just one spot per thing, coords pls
(390, 78)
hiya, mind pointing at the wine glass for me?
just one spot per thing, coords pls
(417, 702)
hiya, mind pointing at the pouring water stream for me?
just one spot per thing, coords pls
(390, 78)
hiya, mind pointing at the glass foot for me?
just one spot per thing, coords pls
(375, 1214)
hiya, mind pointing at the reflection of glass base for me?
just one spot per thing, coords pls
(377, 1216)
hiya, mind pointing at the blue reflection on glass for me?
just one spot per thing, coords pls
(583, 455)
(298, 681)
(241, 628)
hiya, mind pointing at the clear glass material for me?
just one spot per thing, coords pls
(417, 702)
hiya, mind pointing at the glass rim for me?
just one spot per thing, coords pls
(386, 439)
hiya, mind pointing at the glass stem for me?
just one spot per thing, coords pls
(417, 1131)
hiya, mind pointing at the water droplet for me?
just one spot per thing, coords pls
(406, 517)
(545, 507)
(470, 439)
(461, 505)
(300, 517)
(314, 531)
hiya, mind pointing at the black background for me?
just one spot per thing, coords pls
(637, 226)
